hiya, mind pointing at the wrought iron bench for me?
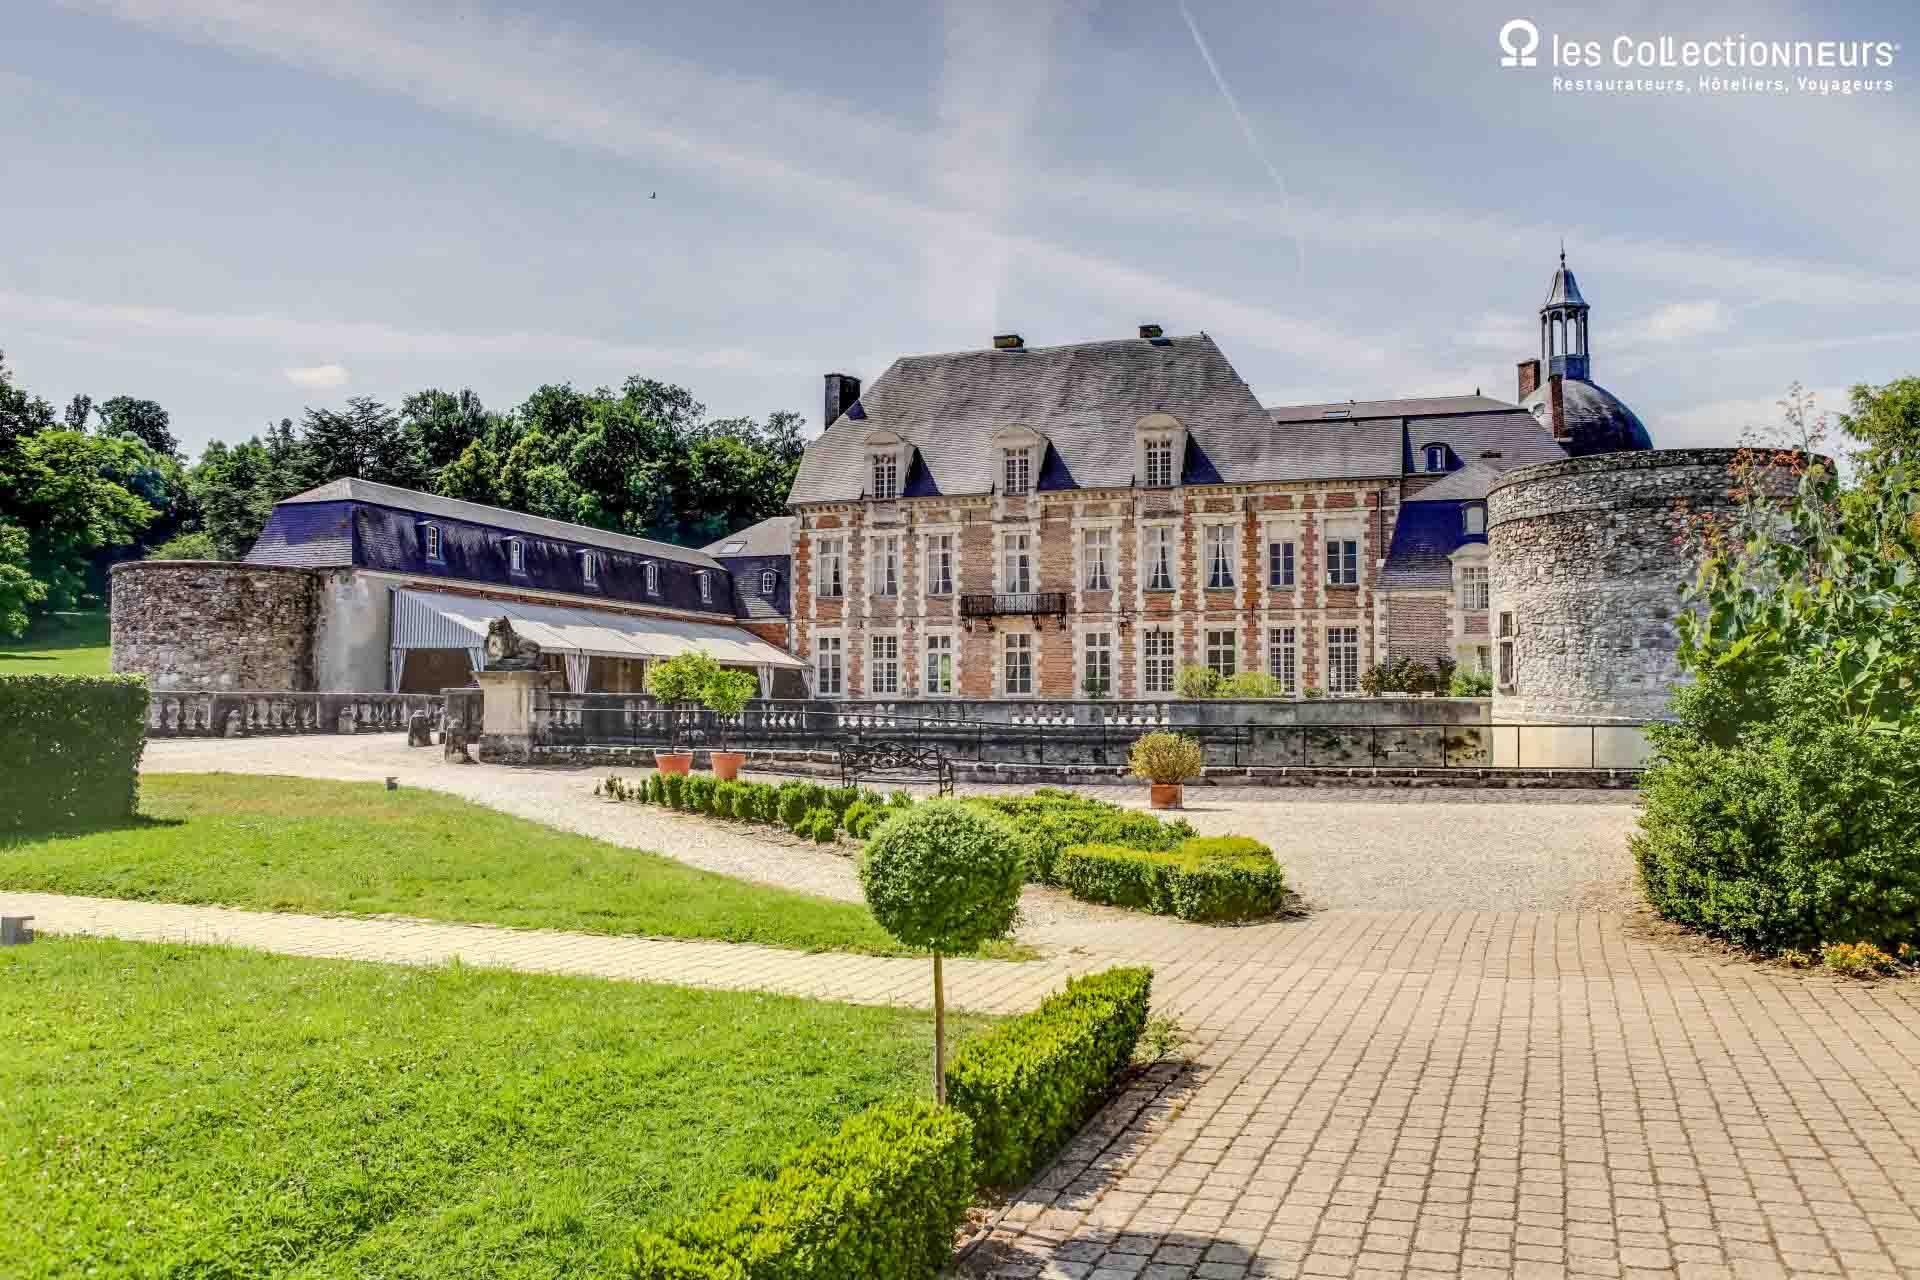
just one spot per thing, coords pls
(902, 761)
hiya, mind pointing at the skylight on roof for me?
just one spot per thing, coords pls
(733, 548)
(1336, 413)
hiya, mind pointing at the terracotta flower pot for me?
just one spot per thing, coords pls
(1166, 795)
(726, 764)
(673, 761)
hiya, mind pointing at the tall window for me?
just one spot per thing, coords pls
(1017, 576)
(1280, 564)
(830, 578)
(516, 555)
(1220, 651)
(939, 664)
(1219, 556)
(1473, 517)
(1017, 668)
(826, 664)
(706, 586)
(431, 535)
(1343, 659)
(883, 673)
(940, 564)
(1159, 462)
(1283, 657)
(1097, 678)
(1343, 563)
(1474, 586)
(1099, 543)
(1019, 470)
(886, 565)
(652, 576)
(1506, 635)
(1436, 457)
(886, 475)
(768, 581)
(1159, 557)
(589, 568)
(1156, 653)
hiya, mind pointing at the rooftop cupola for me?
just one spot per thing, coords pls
(1563, 327)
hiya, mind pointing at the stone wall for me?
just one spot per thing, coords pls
(208, 624)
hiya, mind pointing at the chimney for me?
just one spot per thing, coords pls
(842, 390)
(1529, 377)
(1557, 406)
(1008, 342)
(1150, 331)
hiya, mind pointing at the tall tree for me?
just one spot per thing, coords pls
(234, 488)
(366, 440)
(21, 414)
(79, 409)
(444, 423)
(19, 589)
(1886, 419)
(144, 420)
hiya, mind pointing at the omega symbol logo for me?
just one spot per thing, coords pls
(1519, 39)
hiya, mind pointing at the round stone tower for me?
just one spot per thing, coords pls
(214, 624)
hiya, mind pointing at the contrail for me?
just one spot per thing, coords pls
(1253, 139)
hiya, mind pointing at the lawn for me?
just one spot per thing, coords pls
(298, 844)
(61, 644)
(203, 1111)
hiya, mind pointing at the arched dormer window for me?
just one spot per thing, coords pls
(516, 556)
(887, 459)
(652, 576)
(705, 580)
(430, 543)
(1019, 451)
(1160, 443)
(768, 581)
(1436, 457)
(589, 568)
(1473, 518)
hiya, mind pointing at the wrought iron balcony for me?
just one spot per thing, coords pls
(1013, 602)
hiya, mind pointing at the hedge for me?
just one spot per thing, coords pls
(1053, 820)
(880, 1200)
(1206, 878)
(70, 749)
(1031, 1082)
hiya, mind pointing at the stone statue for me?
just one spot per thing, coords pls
(507, 651)
(419, 730)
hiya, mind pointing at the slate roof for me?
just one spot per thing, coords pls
(771, 537)
(1465, 485)
(1424, 536)
(1565, 290)
(1415, 407)
(1511, 433)
(1596, 419)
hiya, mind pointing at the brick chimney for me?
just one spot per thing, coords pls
(1529, 377)
(842, 390)
(1557, 406)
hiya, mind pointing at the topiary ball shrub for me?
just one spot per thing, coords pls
(820, 826)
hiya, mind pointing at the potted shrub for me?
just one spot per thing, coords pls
(674, 683)
(726, 694)
(1166, 760)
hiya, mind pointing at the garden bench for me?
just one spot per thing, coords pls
(902, 761)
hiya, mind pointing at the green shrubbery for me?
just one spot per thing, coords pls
(1050, 820)
(1208, 878)
(70, 752)
(1032, 1081)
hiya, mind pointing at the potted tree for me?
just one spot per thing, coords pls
(726, 694)
(674, 683)
(1166, 760)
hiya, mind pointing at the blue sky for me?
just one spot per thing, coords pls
(239, 208)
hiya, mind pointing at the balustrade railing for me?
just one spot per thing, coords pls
(202, 713)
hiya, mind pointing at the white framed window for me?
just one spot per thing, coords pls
(516, 556)
(1505, 636)
(1221, 651)
(1017, 563)
(1343, 659)
(769, 580)
(1159, 462)
(1018, 470)
(1016, 670)
(705, 580)
(939, 681)
(885, 565)
(1436, 457)
(1219, 557)
(1156, 660)
(940, 564)
(886, 475)
(830, 577)
(1099, 557)
(430, 540)
(1280, 564)
(589, 568)
(883, 670)
(1474, 586)
(1096, 677)
(1343, 562)
(1159, 557)
(1283, 657)
(829, 677)
(1473, 517)
(652, 576)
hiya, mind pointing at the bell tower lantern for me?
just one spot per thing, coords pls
(1563, 327)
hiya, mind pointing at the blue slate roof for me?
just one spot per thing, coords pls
(1424, 538)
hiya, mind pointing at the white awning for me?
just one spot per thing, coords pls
(437, 620)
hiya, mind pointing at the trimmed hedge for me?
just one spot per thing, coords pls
(70, 749)
(1206, 878)
(1053, 820)
(879, 1200)
(1032, 1081)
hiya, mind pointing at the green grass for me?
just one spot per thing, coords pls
(297, 844)
(62, 644)
(175, 1111)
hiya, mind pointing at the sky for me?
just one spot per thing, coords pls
(241, 208)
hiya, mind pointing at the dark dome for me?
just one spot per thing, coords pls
(1596, 420)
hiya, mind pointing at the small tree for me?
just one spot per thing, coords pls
(945, 878)
(681, 679)
(726, 694)
(1166, 758)
(1196, 681)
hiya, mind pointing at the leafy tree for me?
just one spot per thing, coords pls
(78, 410)
(365, 440)
(71, 493)
(187, 546)
(444, 423)
(144, 420)
(474, 476)
(19, 589)
(1886, 419)
(21, 414)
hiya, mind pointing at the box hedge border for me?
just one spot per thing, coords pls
(70, 750)
(1209, 879)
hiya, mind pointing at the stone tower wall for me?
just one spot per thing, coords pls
(209, 624)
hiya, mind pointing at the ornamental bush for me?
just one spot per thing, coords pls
(880, 1200)
(656, 789)
(1032, 1081)
(70, 749)
(1050, 820)
(858, 818)
(1208, 879)
(819, 825)
(1166, 758)
(675, 785)
(796, 800)
(699, 793)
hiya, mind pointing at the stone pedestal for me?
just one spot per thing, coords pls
(508, 702)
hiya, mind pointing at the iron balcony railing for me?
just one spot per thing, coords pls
(1013, 602)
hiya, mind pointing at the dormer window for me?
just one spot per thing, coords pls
(1160, 446)
(652, 575)
(705, 580)
(1018, 470)
(1159, 462)
(1436, 457)
(1473, 517)
(886, 476)
(430, 542)
(516, 555)
(589, 568)
(768, 581)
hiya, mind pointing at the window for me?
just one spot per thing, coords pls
(1220, 652)
(1219, 557)
(705, 580)
(831, 580)
(1018, 576)
(1474, 517)
(886, 476)
(826, 665)
(1157, 661)
(1019, 470)
(1097, 679)
(1343, 659)
(1506, 635)
(653, 577)
(589, 568)
(883, 673)
(1017, 669)
(1160, 462)
(1159, 557)
(1280, 564)
(940, 564)
(769, 581)
(1099, 556)
(886, 565)
(1283, 657)
(430, 534)
(939, 664)
(1436, 457)
(1343, 563)
(1473, 586)
(516, 556)
(1483, 660)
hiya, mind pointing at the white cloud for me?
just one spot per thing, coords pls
(319, 377)
(1681, 321)
(1719, 423)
